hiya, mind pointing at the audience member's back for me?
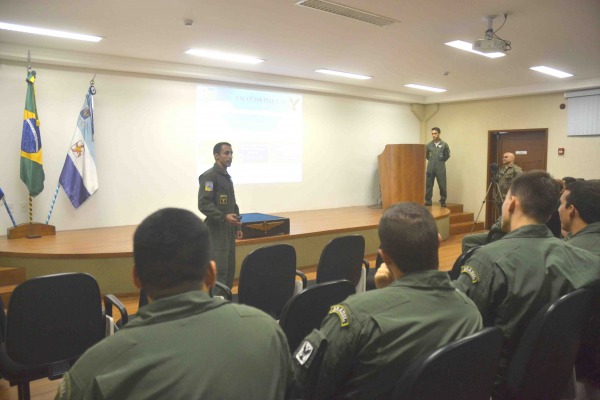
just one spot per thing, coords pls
(183, 344)
(511, 279)
(374, 336)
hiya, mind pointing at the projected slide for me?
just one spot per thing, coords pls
(264, 129)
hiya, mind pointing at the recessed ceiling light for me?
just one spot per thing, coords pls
(421, 87)
(344, 74)
(466, 46)
(551, 71)
(219, 55)
(48, 32)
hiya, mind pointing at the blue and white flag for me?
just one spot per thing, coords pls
(78, 177)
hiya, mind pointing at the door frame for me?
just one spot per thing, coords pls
(494, 136)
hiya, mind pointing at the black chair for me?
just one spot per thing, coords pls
(461, 370)
(543, 362)
(454, 273)
(51, 321)
(268, 278)
(305, 311)
(343, 258)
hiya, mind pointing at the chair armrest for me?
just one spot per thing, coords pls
(111, 300)
(366, 265)
(303, 277)
(224, 288)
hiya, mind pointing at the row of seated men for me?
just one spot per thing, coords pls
(188, 345)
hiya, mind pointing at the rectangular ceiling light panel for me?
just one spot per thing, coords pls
(345, 11)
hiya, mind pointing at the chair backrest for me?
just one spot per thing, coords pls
(53, 319)
(454, 273)
(461, 370)
(267, 278)
(543, 361)
(342, 258)
(305, 311)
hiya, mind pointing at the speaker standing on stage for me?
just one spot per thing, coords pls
(437, 153)
(216, 200)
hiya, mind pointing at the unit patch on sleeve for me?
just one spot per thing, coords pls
(341, 312)
(465, 269)
(223, 199)
(208, 186)
(304, 352)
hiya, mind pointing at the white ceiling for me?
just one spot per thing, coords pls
(149, 36)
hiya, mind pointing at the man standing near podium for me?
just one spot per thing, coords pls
(437, 153)
(216, 200)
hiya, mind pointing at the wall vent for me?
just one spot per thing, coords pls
(344, 11)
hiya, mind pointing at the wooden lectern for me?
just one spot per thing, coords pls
(402, 173)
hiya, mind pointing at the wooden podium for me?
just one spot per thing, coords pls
(402, 173)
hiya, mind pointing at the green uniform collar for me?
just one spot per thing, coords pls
(591, 228)
(424, 280)
(175, 307)
(220, 170)
(529, 231)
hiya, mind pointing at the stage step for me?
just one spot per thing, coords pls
(459, 217)
(465, 227)
(461, 221)
(9, 279)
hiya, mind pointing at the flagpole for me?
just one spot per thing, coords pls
(52, 204)
(30, 209)
(9, 213)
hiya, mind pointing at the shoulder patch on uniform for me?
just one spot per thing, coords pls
(303, 353)
(341, 312)
(465, 269)
(208, 186)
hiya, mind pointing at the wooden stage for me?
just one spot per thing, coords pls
(107, 253)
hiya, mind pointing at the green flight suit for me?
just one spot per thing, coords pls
(374, 336)
(512, 278)
(588, 360)
(436, 155)
(505, 177)
(183, 347)
(216, 199)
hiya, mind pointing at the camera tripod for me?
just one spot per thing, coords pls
(497, 199)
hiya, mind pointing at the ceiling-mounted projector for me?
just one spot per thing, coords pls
(492, 43)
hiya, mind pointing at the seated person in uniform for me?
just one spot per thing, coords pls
(512, 278)
(183, 344)
(580, 217)
(374, 336)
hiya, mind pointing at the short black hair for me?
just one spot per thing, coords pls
(585, 197)
(435, 128)
(408, 234)
(171, 247)
(217, 148)
(538, 194)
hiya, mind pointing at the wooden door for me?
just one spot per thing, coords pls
(530, 147)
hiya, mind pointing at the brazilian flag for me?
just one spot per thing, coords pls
(32, 170)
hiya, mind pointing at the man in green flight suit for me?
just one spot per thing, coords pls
(579, 213)
(507, 173)
(373, 337)
(437, 153)
(512, 278)
(184, 344)
(216, 200)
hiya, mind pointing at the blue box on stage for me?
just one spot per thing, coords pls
(261, 225)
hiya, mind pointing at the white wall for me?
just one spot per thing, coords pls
(465, 127)
(145, 148)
